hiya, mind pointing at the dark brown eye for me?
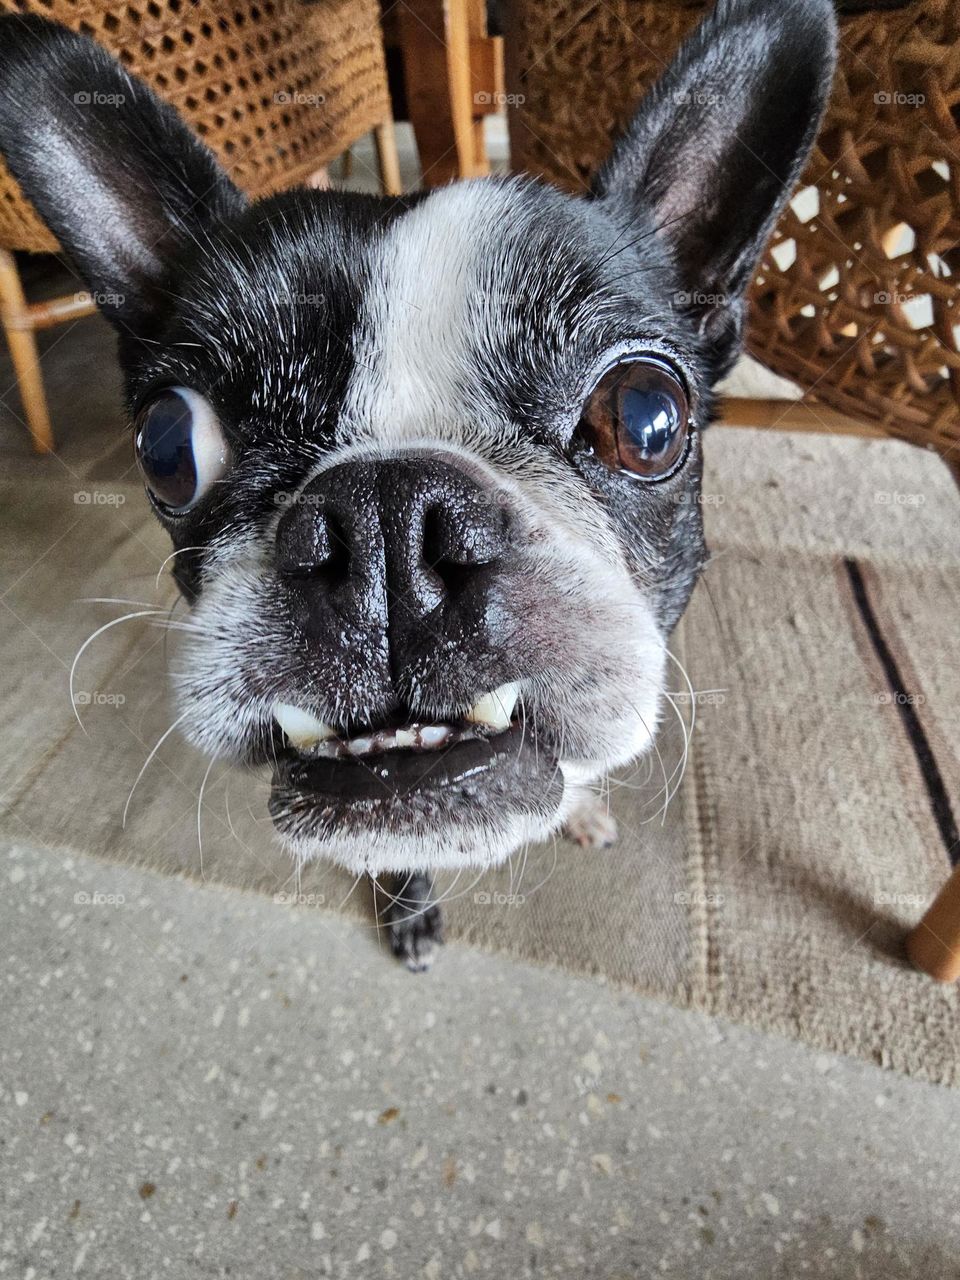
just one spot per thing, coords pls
(637, 418)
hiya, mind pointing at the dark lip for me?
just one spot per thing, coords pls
(473, 781)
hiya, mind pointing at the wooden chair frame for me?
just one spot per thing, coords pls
(453, 76)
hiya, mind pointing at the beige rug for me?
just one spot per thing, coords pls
(811, 824)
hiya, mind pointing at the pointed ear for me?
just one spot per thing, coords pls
(114, 172)
(717, 145)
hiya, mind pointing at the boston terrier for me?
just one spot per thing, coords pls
(430, 464)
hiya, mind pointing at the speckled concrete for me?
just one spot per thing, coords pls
(199, 1083)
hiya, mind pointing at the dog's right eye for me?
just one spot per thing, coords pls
(181, 449)
(637, 418)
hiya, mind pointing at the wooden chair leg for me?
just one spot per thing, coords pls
(951, 459)
(388, 162)
(319, 180)
(435, 44)
(934, 945)
(18, 327)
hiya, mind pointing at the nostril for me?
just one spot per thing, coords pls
(460, 540)
(465, 535)
(337, 564)
(314, 545)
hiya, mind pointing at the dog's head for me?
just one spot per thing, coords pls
(430, 465)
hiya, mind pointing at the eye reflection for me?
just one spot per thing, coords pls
(181, 449)
(637, 418)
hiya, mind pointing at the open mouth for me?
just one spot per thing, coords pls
(412, 777)
(312, 739)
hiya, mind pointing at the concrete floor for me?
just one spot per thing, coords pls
(194, 1082)
(201, 1083)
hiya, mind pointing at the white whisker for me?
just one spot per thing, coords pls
(172, 556)
(143, 613)
(159, 743)
(213, 761)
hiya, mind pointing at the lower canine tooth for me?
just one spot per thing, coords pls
(301, 728)
(496, 708)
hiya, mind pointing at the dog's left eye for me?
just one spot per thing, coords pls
(637, 418)
(180, 448)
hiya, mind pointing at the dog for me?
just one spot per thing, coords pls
(431, 464)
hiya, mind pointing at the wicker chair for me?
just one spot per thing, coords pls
(855, 298)
(248, 77)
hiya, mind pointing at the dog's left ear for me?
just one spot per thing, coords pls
(114, 172)
(717, 145)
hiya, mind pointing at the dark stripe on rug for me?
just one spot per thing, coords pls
(926, 760)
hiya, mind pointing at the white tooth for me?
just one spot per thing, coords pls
(405, 738)
(496, 708)
(432, 735)
(302, 728)
(360, 746)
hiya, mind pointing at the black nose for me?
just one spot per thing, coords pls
(408, 547)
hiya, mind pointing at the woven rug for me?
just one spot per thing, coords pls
(812, 823)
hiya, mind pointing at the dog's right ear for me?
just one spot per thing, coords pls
(114, 172)
(716, 147)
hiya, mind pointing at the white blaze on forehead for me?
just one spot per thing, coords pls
(426, 309)
(437, 320)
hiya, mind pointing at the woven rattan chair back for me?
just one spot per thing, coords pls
(276, 88)
(856, 298)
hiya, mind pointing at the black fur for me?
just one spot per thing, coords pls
(412, 918)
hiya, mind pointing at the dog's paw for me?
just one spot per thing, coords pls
(415, 936)
(591, 825)
(413, 922)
